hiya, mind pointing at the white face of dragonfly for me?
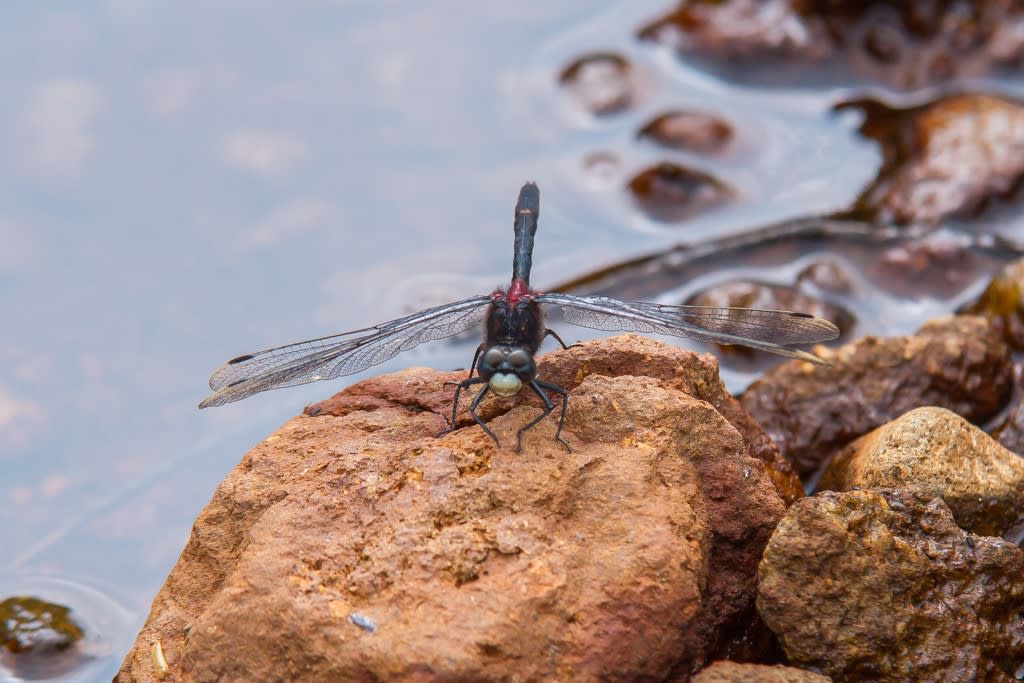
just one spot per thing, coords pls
(506, 368)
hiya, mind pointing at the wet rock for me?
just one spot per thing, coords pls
(601, 83)
(827, 275)
(28, 624)
(626, 559)
(941, 453)
(745, 294)
(733, 672)
(38, 639)
(884, 586)
(958, 363)
(689, 131)
(906, 45)
(669, 192)
(1010, 432)
(1003, 302)
(950, 157)
(938, 265)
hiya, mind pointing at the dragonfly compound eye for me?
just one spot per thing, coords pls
(493, 358)
(520, 360)
(505, 384)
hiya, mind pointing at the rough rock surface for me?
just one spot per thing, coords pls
(691, 373)
(361, 546)
(733, 672)
(884, 586)
(939, 452)
(959, 363)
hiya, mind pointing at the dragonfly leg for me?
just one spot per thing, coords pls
(537, 385)
(476, 357)
(548, 332)
(476, 402)
(459, 386)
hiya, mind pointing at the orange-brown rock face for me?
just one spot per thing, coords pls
(358, 545)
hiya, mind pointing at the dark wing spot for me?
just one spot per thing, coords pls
(240, 359)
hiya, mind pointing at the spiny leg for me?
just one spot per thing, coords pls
(565, 404)
(476, 357)
(459, 386)
(548, 407)
(475, 403)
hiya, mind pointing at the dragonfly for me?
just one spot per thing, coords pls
(513, 326)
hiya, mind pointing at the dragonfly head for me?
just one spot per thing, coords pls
(506, 368)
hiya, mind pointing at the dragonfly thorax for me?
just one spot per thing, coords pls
(506, 368)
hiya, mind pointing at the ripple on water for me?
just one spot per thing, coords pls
(107, 632)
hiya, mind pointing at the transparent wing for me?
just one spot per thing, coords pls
(757, 328)
(340, 354)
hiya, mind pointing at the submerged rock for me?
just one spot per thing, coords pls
(39, 639)
(884, 586)
(358, 545)
(29, 624)
(941, 453)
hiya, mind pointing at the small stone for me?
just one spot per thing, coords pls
(602, 83)
(33, 625)
(670, 192)
(689, 131)
(937, 451)
(734, 672)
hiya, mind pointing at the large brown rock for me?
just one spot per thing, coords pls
(939, 452)
(733, 672)
(884, 586)
(626, 355)
(358, 545)
(959, 363)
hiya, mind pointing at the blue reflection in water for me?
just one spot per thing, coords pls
(186, 182)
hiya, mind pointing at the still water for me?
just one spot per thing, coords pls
(184, 182)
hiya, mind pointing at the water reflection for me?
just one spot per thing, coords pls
(190, 181)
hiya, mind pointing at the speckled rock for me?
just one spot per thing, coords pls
(884, 586)
(959, 363)
(362, 546)
(733, 672)
(941, 453)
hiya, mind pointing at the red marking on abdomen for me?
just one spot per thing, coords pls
(517, 290)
